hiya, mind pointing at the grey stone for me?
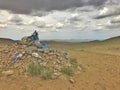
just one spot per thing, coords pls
(17, 56)
(37, 44)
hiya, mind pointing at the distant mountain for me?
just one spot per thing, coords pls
(116, 39)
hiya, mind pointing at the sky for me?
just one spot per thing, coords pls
(60, 19)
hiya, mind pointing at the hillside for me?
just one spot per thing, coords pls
(99, 62)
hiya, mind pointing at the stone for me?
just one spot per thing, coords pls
(54, 77)
(29, 56)
(8, 73)
(6, 51)
(36, 55)
(16, 57)
(24, 40)
(23, 54)
(37, 44)
(0, 58)
(79, 68)
(30, 49)
(0, 66)
(62, 77)
(72, 81)
(58, 62)
(16, 65)
(57, 74)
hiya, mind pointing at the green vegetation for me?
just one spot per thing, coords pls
(35, 68)
(74, 63)
(68, 71)
(46, 74)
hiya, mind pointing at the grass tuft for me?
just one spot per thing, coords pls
(74, 63)
(68, 71)
(35, 68)
(46, 74)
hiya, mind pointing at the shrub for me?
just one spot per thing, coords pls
(68, 71)
(74, 63)
(35, 68)
(46, 74)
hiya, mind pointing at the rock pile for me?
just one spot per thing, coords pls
(50, 58)
(21, 55)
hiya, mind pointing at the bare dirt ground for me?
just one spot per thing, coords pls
(100, 62)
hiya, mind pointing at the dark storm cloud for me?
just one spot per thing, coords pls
(107, 15)
(112, 11)
(26, 6)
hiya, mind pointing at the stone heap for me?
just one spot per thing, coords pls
(20, 55)
(50, 58)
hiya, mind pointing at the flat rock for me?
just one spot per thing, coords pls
(72, 81)
(8, 73)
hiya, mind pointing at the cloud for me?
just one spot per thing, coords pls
(59, 25)
(109, 11)
(81, 9)
(54, 30)
(100, 26)
(38, 13)
(27, 6)
(114, 23)
(116, 19)
(75, 18)
(42, 31)
(39, 24)
(113, 26)
(16, 19)
(3, 25)
(104, 11)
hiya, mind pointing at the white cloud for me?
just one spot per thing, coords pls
(104, 11)
(3, 25)
(77, 19)
(74, 15)
(16, 19)
(100, 27)
(59, 25)
(108, 11)
(49, 25)
(42, 31)
(4, 16)
(116, 19)
(79, 25)
(113, 23)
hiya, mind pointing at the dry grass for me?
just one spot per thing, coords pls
(101, 61)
